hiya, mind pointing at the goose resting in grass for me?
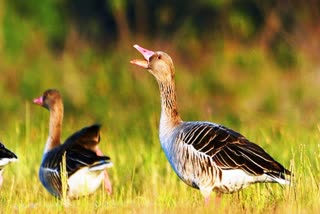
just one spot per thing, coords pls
(85, 163)
(205, 155)
(6, 157)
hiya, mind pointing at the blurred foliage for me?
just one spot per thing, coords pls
(241, 53)
(104, 23)
(250, 65)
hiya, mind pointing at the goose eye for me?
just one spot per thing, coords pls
(159, 56)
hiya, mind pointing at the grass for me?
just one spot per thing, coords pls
(144, 182)
(277, 110)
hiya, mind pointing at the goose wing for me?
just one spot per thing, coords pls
(6, 156)
(77, 157)
(87, 137)
(229, 149)
(79, 153)
(80, 150)
(6, 153)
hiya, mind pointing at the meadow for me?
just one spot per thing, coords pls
(239, 87)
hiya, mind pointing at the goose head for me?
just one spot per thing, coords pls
(158, 63)
(50, 98)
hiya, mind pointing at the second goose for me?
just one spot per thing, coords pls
(85, 164)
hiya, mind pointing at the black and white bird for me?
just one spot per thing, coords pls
(85, 163)
(6, 157)
(206, 155)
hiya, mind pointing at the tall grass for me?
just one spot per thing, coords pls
(275, 109)
(144, 182)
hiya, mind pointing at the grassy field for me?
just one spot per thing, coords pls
(278, 109)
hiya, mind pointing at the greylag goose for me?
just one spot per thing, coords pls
(205, 155)
(85, 164)
(6, 157)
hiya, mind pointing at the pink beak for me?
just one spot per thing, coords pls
(146, 54)
(38, 101)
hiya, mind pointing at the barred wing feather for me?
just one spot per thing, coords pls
(229, 149)
(50, 178)
(78, 155)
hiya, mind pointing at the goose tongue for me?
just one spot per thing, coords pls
(146, 54)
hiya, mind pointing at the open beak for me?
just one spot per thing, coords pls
(38, 101)
(146, 54)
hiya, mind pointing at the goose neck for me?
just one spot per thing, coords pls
(169, 112)
(55, 126)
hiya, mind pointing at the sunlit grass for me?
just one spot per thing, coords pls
(277, 110)
(144, 182)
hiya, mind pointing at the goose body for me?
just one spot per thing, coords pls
(206, 155)
(85, 166)
(6, 157)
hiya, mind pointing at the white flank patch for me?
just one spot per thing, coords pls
(84, 182)
(237, 179)
(5, 161)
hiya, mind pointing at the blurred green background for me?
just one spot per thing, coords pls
(236, 61)
(250, 65)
